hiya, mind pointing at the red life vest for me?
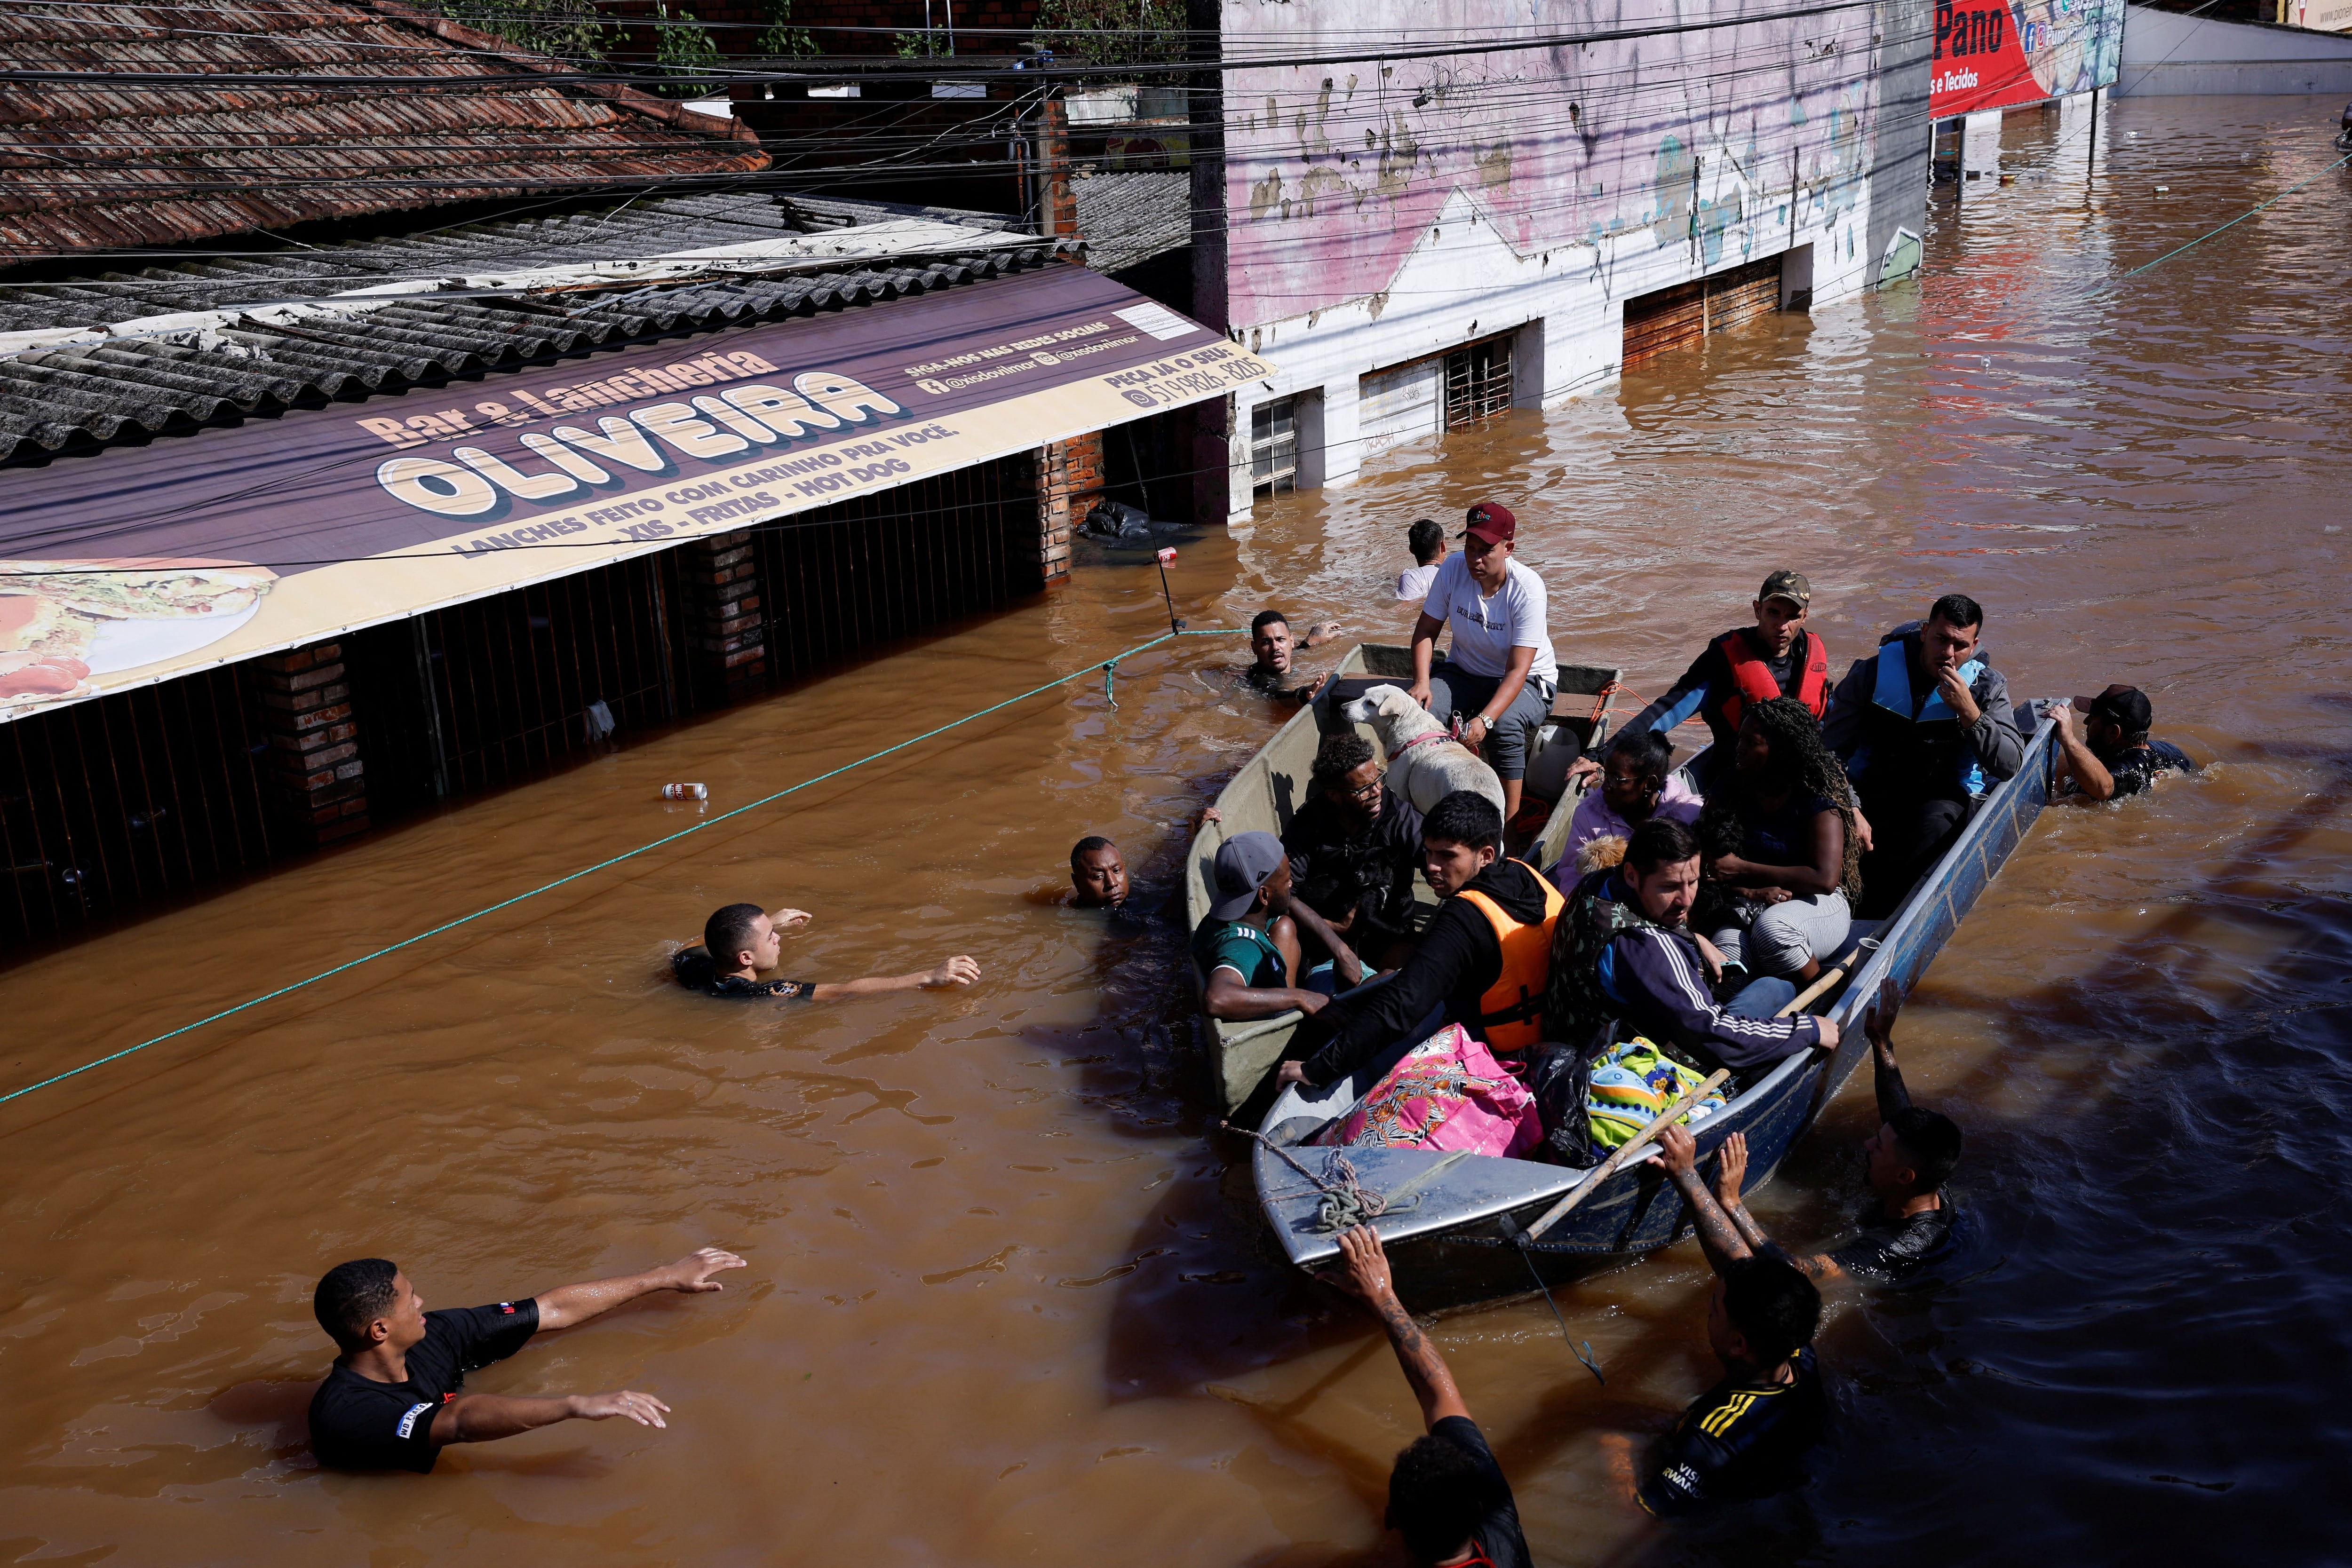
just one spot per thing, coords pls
(1752, 681)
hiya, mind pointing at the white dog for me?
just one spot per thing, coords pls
(1425, 764)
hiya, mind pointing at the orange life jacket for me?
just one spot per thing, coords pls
(1752, 681)
(1510, 1013)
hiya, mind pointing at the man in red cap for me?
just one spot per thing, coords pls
(1500, 673)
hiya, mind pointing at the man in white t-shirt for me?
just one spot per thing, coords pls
(1500, 672)
(1427, 542)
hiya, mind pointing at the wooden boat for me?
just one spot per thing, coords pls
(1448, 1243)
(1273, 785)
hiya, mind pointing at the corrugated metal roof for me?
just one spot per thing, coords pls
(92, 166)
(123, 387)
(1129, 218)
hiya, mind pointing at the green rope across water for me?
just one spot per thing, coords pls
(1106, 666)
(2241, 217)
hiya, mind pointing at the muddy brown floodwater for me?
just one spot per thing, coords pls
(1007, 1303)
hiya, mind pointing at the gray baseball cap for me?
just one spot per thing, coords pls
(1244, 863)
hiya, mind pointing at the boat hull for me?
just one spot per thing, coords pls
(1451, 1247)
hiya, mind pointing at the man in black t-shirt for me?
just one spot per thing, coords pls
(2112, 757)
(1447, 1497)
(1747, 1437)
(1906, 1163)
(750, 940)
(395, 1399)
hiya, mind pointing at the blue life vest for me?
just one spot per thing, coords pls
(1891, 696)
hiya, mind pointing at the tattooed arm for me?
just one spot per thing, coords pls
(1678, 1155)
(1730, 1176)
(1366, 1276)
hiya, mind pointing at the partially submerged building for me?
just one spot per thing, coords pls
(1423, 238)
(309, 527)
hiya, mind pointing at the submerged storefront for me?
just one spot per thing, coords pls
(264, 634)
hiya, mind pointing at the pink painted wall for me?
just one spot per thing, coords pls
(1333, 172)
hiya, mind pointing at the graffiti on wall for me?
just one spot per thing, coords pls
(1706, 139)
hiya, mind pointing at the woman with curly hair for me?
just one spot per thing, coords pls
(1786, 858)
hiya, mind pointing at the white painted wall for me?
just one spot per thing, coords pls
(1462, 281)
(1524, 218)
(2167, 54)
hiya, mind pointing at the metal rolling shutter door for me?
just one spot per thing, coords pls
(1689, 312)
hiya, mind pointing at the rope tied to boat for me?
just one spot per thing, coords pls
(1346, 1201)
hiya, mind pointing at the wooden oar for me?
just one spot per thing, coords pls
(1828, 977)
(1626, 1151)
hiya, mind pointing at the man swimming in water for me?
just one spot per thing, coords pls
(1097, 873)
(749, 940)
(1272, 670)
(395, 1398)
(1908, 1160)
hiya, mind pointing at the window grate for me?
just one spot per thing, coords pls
(1478, 382)
(1273, 447)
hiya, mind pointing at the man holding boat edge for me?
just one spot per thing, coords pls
(2112, 757)
(1747, 1437)
(1248, 947)
(1447, 1497)
(1907, 1162)
(1271, 670)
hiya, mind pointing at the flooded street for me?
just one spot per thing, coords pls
(1007, 1301)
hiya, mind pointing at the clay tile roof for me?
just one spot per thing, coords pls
(446, 114)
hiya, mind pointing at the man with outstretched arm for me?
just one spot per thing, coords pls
(395, 1399)
(1906, 1163)
(745, 939)
(1747, 1437)
(1447, 1497)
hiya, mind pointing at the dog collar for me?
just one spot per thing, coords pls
(1419, 740)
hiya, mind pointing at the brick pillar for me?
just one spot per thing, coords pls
(314, 767)
(1070, 482)
(726, 634)
(1058, 206)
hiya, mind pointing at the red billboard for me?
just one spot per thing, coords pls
(2002, 56)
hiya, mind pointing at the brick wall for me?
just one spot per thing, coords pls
(725, 636)
(314, 767)
(1070, 482)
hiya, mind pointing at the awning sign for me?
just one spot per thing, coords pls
(1989, 54)
(126, 567)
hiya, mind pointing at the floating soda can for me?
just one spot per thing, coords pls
(685, 793)
(1168, 555)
